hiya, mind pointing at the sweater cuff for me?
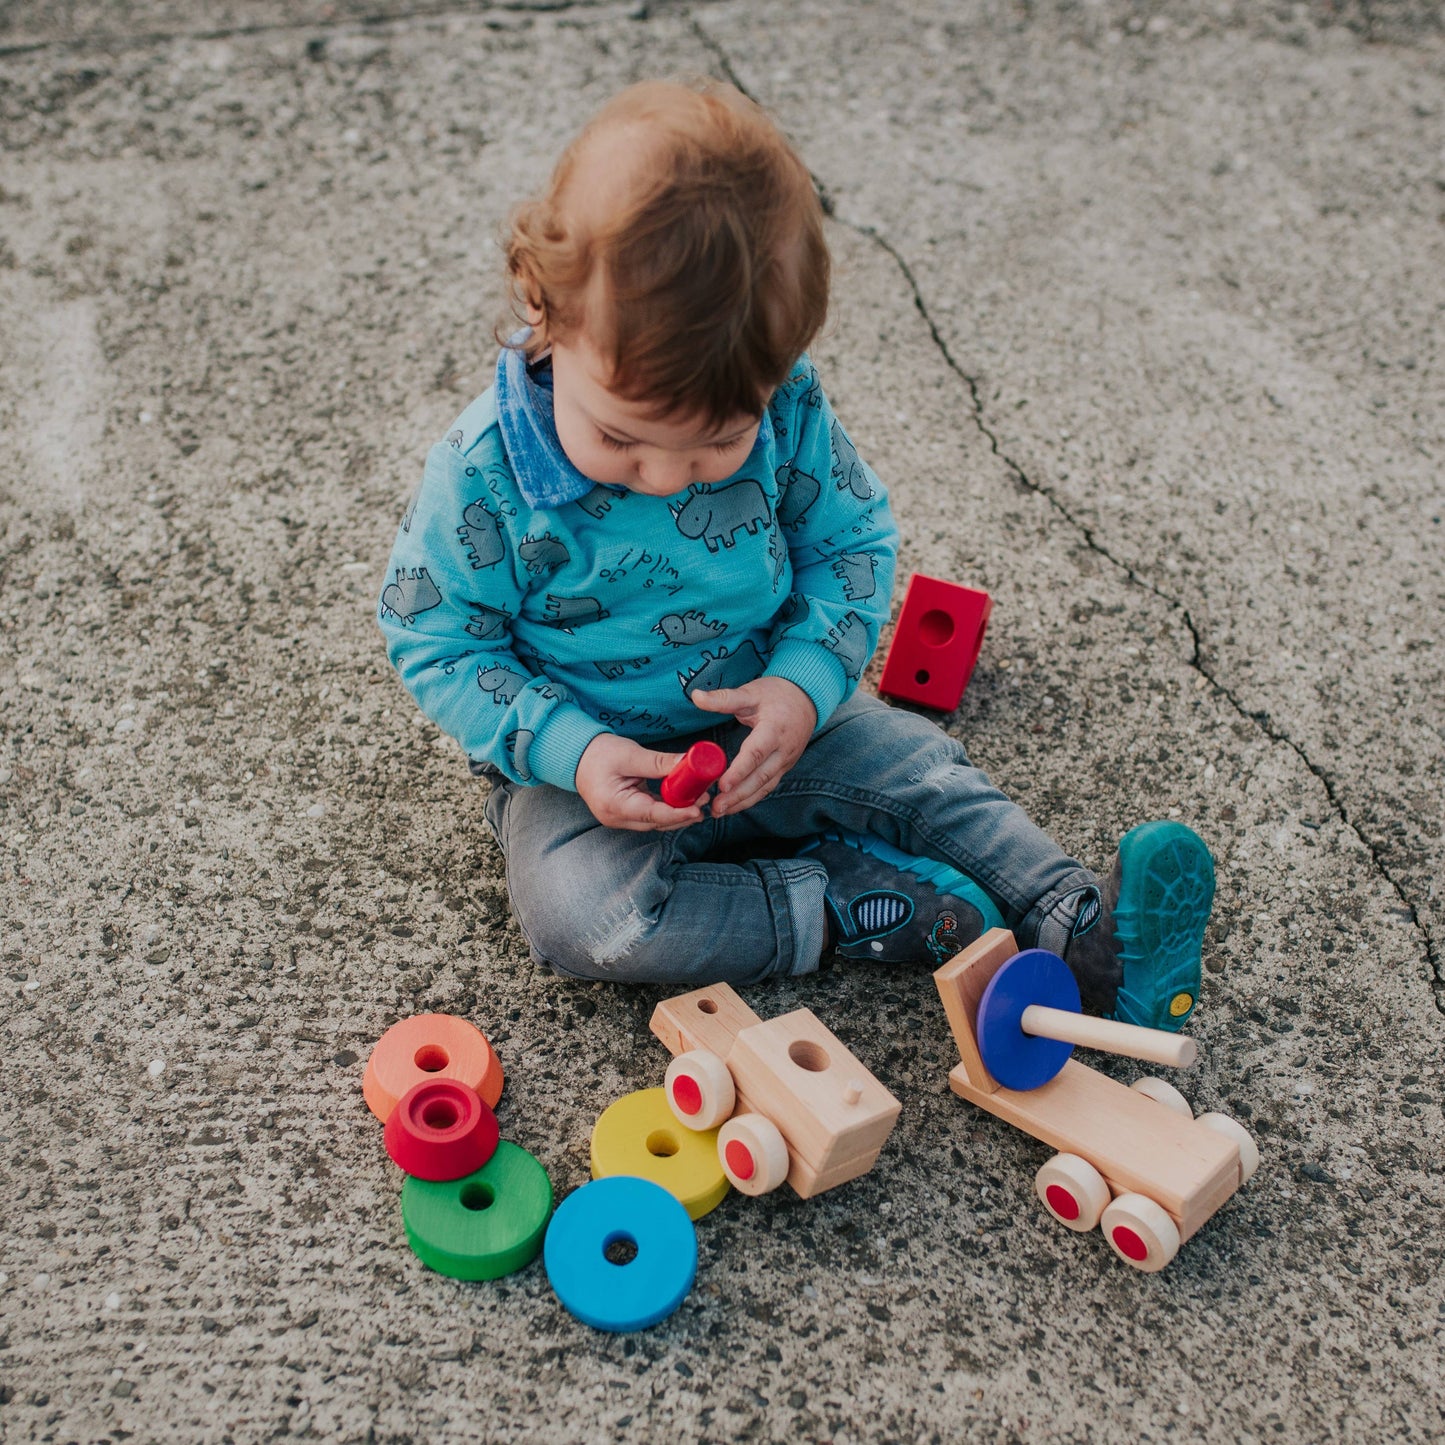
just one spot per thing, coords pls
(559, 745)
(814, 669)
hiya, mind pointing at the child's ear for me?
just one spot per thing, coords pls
(530, 295)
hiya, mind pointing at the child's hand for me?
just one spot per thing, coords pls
(782, 718)
(611, 778)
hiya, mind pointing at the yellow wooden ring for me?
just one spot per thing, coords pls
(638, 1136)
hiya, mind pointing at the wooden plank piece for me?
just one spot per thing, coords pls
(808, 1182)
(961, 982)
(1135, 1142)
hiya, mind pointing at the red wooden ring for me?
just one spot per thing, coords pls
(441, 1130)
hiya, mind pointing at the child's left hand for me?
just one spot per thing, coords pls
(782, 718)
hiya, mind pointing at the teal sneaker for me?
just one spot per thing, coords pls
(891, 907)
(1163, 891)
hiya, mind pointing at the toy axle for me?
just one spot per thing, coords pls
(1153, 1045)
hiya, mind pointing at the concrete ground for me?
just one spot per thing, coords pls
(1139, 313)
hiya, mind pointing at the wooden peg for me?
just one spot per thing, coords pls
(1153, 1045)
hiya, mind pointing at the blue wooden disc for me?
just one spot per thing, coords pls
(634, 1214)
(1016, 1059)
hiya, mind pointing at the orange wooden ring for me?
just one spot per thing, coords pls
(429, 1046)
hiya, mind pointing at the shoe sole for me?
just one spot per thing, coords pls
(1166, 892)
(943, 878)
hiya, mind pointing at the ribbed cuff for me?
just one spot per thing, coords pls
(814, 669)
(559, 746)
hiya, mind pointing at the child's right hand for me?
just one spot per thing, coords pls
(612, 779)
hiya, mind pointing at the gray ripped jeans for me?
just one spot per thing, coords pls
(666, 908)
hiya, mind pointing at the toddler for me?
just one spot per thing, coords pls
(652, 529)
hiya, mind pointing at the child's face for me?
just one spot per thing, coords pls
(613, 440)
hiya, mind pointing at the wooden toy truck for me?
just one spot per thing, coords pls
(1133, 1160)
(792, 1101)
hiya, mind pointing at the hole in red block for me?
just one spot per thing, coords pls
(1129, 1244)
(478, 1196)
(432, 1058)
(686, 1094)
(808, 1055)
(740, 1159)
(1062, 1202)
(440, 1114)
(935, 627)
(921, 677)
(661, 1144)
(619, 1248)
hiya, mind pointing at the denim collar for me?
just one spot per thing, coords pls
(545, 476)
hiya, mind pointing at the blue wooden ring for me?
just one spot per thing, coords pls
(1016, 1059)
(621, 1210)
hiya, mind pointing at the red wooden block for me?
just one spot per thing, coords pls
(701, 766)
(441, 1130)
(936, 643)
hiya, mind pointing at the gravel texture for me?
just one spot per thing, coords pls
(1138, 313)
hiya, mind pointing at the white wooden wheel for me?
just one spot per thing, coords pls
(1233, 1129)
(1073, 1191)
(1140, 1232)
(1165, 1093)
(700, 1089)
(754, 1154)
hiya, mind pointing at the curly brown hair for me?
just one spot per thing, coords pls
(682, 233)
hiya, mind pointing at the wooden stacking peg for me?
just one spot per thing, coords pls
(1030, 1018)
(1109, 1036)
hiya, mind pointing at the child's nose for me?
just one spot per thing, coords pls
(667, 473)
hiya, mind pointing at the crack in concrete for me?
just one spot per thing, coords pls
(1259, 717)
(113, 42)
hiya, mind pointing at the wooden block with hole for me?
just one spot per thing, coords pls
(827, 1105)
(936, 642)
(833, 1115)
(708, 1018)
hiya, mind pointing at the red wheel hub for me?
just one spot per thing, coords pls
(1129, 1244)
(740, 1159)
(686, 1094)
(1062, 1202)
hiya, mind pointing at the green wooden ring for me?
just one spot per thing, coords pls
(484, 1225)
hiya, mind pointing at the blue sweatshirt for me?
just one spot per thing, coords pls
(528, 609)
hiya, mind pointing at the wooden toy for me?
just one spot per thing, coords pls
(701, 766)
(484, 1225)
(429, 1046)
(1130, 1161)
(638, 1135)
(804, 1108)
(440, 1130)
(599, 1222)
(936, 642)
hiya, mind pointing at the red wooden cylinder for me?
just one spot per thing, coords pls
(701, 766)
